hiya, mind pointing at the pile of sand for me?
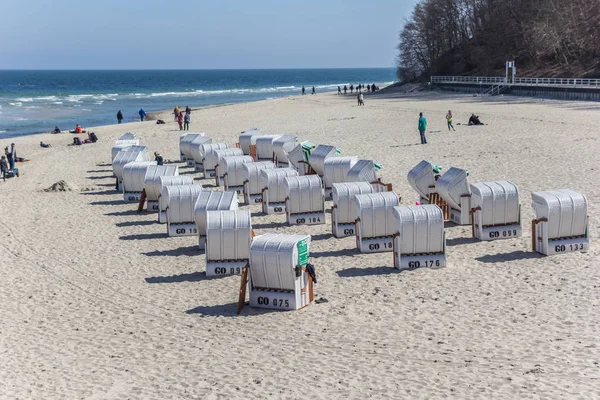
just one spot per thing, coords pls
(61, 186)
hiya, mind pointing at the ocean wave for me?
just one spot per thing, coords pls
(100, 98)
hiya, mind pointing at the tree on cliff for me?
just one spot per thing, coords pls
(547, 37)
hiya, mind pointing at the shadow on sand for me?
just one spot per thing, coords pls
(135, 223)
(270, 225)
(193, 277)
(124, 213)
(144, 236)
(229, 310)
(190, 251)
(334, 253)
(512, 256)
(107, 203)
(357, 272)
(460, 240)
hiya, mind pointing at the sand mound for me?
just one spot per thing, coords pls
(61, 186)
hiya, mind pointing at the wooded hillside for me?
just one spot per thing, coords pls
(475, 37)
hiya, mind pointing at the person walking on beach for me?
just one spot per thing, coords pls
(361, 100)
(422, 128)
(180, 120)
(339, 90)
(188, 110)
(176, 112)
(345, 89)
(351, 88)
(303, 91)
(120, 116)
(142, 114)
(449, 120)
(314, 91)
(3, 167)
(186, 122)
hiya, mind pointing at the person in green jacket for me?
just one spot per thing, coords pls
(422, 128)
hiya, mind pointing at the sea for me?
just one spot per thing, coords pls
(36, 101)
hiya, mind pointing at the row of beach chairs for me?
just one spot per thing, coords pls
(295, 179)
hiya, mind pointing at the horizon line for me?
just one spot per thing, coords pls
(184, 69)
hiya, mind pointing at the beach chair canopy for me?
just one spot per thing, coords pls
(305, 194)
(375, 211)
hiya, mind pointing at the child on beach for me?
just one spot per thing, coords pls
(186, 122)
(449, 120)
(180, 120)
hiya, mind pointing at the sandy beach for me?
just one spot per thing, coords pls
(97, 302)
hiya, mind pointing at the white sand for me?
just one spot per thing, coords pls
(96, 302)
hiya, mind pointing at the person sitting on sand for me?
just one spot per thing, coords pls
(474, 120)
(92, 138)
(56, 129)
(45, 145)
(3, 167)
(78, 129)
(158, 158)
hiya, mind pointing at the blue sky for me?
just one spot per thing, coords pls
(199, 34)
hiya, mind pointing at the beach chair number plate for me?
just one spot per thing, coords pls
(567, 245)
(183, 230)
(275, 302)
(500, 232)
(376, 245)
(132, 197)
(423, 261)
(224, 268)
(279, 301)
(152, 206)
(307, 219)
